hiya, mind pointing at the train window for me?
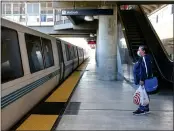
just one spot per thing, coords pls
(59, 48)
(48, 52)
(67, 52)
(35, 57)
(11, 64)
(80, 52)
(71, 52)
(75, 52)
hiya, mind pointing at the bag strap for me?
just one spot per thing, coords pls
(145, 66)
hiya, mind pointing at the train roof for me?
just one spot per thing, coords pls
(21, 28)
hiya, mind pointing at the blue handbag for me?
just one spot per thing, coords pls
(150, 84)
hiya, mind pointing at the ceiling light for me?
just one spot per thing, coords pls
(89, 18)
(91, 35)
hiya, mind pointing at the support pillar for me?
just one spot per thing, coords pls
(107, 47)
(96, 49)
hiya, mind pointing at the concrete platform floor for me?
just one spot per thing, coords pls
(107, 105)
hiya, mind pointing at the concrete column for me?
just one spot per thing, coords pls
(107, 46)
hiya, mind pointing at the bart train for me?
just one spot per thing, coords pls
(32, 64)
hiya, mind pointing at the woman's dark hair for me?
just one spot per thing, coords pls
(144, 48)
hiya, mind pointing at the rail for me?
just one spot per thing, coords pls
(62, 22)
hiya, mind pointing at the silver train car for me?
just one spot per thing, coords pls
(32, 64)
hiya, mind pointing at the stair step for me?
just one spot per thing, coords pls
(137, 39)
(133, 35)
(136, 42)
(133, 28)
(130, 22)
(133, 32)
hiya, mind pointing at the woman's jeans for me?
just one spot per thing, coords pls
(144, 108)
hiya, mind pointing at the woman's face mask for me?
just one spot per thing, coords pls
(138, 53)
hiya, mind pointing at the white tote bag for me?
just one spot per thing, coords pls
(141, 97)
(144, 98)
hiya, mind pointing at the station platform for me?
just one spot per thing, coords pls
(108, 105)
(84, 102)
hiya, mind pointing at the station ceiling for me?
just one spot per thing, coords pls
(148, 8)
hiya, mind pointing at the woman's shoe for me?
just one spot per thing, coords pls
(139, 112)
(147, 111)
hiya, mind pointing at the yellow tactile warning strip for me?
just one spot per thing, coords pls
(64, 91)
(38, 122)
(83, 66)
(46, 114)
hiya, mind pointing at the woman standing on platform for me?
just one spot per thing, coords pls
(140, 74)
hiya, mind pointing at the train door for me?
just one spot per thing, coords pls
(61, 60)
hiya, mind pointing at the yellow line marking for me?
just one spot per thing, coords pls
(63, 93)
(45, 122)
(83, 66)
(38, 122)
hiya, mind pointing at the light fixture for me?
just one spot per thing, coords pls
(89, 18)
(91, 35)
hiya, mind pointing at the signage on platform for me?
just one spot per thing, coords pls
(92, 42)
(69, 12)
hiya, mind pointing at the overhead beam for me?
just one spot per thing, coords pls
(74, 4)
(157, 9)
(72, 20)
(76, 32)
(87, 26)
(71, 35)
(150, 7)
(147, 7)
(81, 4)
(155, 6)
(146, 10)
